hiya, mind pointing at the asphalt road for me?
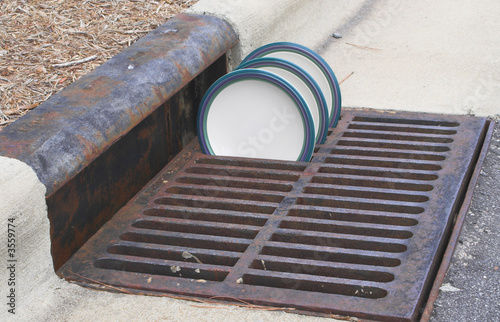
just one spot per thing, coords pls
(471, 289)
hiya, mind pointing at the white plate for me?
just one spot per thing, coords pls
(304, 83)
(255, 113)
(311, 62)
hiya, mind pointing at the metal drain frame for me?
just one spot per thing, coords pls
(362, 298)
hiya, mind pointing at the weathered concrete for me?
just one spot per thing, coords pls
(423, 56)
(259, 22)
(23, 214)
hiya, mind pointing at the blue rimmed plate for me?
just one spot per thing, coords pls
(311, 62)
(304, 83)
(255, 113)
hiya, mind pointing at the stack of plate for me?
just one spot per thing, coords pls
(277, 104)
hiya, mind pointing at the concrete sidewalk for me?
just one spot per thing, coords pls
(424, 56)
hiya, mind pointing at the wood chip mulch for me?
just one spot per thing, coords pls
(47, 45)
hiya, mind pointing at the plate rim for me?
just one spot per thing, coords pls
(317, 59)
(304, 76)
(240, 75)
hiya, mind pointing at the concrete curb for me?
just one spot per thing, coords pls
(258, 22)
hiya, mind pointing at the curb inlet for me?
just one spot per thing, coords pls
(358, 231)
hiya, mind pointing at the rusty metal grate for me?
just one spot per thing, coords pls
(358, 231)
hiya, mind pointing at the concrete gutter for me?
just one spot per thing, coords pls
(395, 66)
(22, 205)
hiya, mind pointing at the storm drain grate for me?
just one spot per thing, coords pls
(359, 231)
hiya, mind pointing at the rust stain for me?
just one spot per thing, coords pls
(90, 89)
(348, 233)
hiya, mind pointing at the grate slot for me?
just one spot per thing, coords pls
(392, 145)
(329, 254)
(322, 270)
(217, 274)
(400, 128)
(392, 136)
(187, 240)
(388, 154)
(404, 121)
(243, 173)
(333, 265)
(339, 214)
(351, 204)
(207, 203)
(235, 183)
(169, 254)
(259, 164)
(224, 193)
(380, 173)
(286, 236)
(363, 230)
(219, 216)
(305, 283)
(367, 193)
(197, 228)
(379, 162)
(370, 183)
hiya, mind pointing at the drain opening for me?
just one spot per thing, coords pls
(194, 228)
(221, 205)
(393, 145)
(339, 242)
(258, 164)
(365, 194)
(224, 193)
(404, 121)
(235, 183)
(187, 240)
(387, 128)
(323, 254)
(346, 229)
(173, 255)
(393, 173)
(384, 164)
(319, 270)
(391, 136)
(314, 286)
(244, 173)
(352, 232)
(381, 218)
(220, 216)
(369, 183)
(162, 269)
(348, 204)
(389, 154)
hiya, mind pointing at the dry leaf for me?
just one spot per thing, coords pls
(37, 34)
